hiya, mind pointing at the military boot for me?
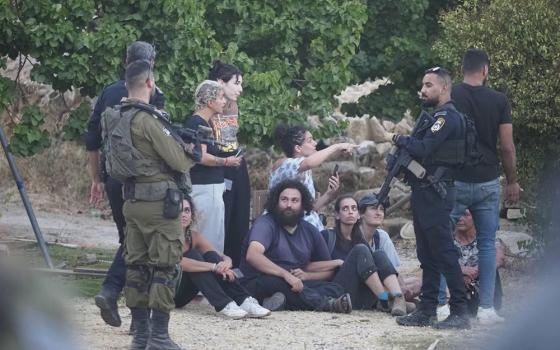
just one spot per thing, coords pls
(141, 331)
(417, 318)
(341, 305)
(106, 301)
(159, 336)
(454, 321)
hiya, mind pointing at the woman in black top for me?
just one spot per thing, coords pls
(207, 177)
(237, 196)
(368, 276)
(206, 270)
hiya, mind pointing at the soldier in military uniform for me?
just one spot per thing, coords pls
(111, 96)
(153, 240)
(435, 147)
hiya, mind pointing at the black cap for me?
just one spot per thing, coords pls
(369, 200)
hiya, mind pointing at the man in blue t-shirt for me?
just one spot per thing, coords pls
(279, 245)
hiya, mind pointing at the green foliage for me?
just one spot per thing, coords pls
(294, 55)
(299, 57)
(7, 93)
(28, 138)
(75, 127)
(396, 43)
(522, 40)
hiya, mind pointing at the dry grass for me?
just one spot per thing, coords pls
(60, 173)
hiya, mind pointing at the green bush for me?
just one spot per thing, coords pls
(294, 54)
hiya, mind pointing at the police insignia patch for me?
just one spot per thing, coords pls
(167, 132)
(438, 125)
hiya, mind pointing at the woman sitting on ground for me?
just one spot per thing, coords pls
(369, 276)
(206, 270)
(302, 156)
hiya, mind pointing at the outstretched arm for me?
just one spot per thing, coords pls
(319, 157)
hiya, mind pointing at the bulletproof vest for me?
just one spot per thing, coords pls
(122, 160)
(459, 152)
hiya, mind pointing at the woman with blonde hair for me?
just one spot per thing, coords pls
(207, 177)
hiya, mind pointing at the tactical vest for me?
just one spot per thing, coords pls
(122, 160)
(456, 153)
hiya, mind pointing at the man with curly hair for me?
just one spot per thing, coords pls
(281, 242)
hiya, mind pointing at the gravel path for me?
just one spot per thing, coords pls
(198, 326)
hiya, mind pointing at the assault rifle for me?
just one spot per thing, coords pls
(181, 134)
(399, 159)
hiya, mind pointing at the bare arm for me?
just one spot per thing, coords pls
(257, 259)
(507, 150)
(97, 187)
(191, 265)
(318, 270)
(322, 266)
(203, 246)
(500, 256)
(319, 157)
(321, 276)
(328, 196)
(211, 160)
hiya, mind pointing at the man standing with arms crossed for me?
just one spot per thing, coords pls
(478, 187)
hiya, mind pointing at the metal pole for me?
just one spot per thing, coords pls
(25, 199)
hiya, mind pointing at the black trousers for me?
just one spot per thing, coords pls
(314, 296)
(359, 265)
(237, 205)
(116, 275)
(218, 292)
(435, 249)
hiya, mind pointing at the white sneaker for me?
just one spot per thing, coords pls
(253, 309)
(442, 312)
(488, 316)
(233, 311)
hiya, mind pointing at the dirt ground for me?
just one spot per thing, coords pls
(197, 326)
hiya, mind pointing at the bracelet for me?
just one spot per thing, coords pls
(215, 267)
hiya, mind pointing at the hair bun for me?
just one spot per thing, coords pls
(279, 132)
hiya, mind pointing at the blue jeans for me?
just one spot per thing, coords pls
(483, 200)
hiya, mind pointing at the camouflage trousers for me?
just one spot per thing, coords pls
(153, 248)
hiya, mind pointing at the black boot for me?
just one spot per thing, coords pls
(131, 329)
(454, 321)
(106, 301)
(141, 331)
(342, 305)
(418, 318)
(159, 336)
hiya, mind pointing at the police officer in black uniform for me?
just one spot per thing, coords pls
(111, 96)
(437, 147)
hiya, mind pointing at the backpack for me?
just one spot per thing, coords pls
(461, 152)
(329, 235)
(473, 156)
(122, 160)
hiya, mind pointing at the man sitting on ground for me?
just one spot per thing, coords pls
(280, 242)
